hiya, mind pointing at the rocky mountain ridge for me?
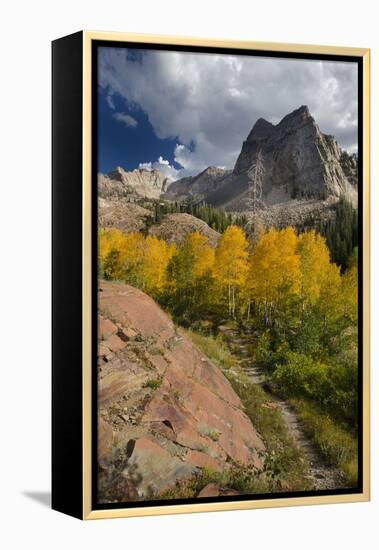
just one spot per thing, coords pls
(151, 184)
(304, 173)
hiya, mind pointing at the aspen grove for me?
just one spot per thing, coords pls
(299, 308)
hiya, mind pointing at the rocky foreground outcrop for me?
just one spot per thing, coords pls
(165, 410)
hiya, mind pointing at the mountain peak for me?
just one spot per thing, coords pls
(298, 116)
(299, 160)
(262, 129)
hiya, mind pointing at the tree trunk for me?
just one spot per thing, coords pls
(229, 302)
(265, 315)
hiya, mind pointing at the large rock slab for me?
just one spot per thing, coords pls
(153, 470)
(169, 409)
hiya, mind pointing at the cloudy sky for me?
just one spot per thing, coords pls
(181, 112)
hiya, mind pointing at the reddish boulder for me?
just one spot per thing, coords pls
(114, 343)
(203, 460)
(153, 470)
(210, 490)
(170, 409)
(106, 328)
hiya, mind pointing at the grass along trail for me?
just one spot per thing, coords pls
(323, 476)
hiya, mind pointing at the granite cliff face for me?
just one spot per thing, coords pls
(119, 183)
(298, 159)
(165, 410)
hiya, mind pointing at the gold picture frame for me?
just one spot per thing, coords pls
(85, 508)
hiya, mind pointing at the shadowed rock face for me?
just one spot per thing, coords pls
(198, 186)
(165, 411)
(299, 160)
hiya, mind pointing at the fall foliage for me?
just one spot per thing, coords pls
(230, 267)
(281, 277)
(299, 306)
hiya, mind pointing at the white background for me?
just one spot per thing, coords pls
(26, 31)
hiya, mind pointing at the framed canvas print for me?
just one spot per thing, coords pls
(210, 275)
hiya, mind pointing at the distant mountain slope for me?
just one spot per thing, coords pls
(121, 214)
(197, 187)
(175, 227)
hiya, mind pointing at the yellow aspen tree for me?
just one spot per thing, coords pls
(154, 265)
(230, 267)
(314, 263)
(139, 261)
(203, 255)
(349, 294)
(133, 251)
(103, 245)
(330, 303)
(192, 259)
(190, 276)
(262, 277)
(110, 253)
(170, 282)
(289, 263)
(274, 271)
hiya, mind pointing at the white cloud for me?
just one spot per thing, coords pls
(164, 167)
(186, 158)
(111, 102)
(128, 120)
(209, 103)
